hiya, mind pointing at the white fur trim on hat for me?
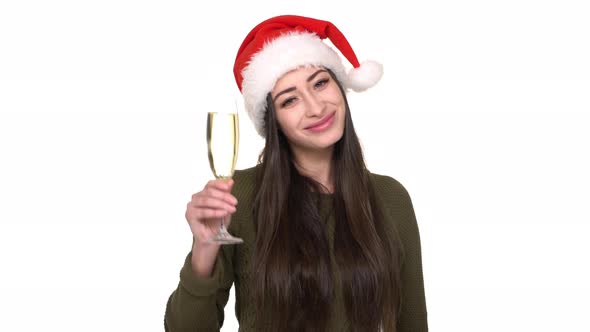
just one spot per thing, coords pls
(365, 76)
(278, 57)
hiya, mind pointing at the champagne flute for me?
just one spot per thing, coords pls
(222, 143)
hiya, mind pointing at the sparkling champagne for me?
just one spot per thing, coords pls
(222, 143)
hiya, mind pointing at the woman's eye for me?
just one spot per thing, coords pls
(321, 83)
(288, 102)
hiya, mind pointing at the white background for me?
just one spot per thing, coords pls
(482, 114)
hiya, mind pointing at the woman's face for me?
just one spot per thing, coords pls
(310, 109)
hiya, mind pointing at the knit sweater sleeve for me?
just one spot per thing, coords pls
(413, 315)
(198, 304)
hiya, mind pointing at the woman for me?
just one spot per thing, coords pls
(328, 246)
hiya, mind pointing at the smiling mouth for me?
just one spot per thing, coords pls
(322, 122)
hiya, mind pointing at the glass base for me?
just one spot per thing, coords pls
(225, 238)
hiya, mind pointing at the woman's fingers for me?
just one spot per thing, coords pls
(213, 202)
(206, 214)
(207, 201)
(207, 207)
(217, 189)
(212, 210)
(222, 185)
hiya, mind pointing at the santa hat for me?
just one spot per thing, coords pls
(283, 43)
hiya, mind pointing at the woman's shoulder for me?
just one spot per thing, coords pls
(386, 185)
(397, 203)
(246, 174)
(244, 181)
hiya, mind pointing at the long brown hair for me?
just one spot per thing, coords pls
(293, 281)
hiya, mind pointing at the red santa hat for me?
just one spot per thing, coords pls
(283, 43)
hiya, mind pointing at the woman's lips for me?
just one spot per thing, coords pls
(322, 124)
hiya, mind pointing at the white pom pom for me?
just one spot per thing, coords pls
(365, 76)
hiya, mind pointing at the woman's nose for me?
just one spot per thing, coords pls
(315, 106)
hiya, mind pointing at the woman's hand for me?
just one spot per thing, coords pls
(207, 207)
(204, 213)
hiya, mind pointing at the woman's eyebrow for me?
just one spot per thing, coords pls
(315, 74)
(283, 92)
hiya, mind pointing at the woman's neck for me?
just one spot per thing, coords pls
(316, 165)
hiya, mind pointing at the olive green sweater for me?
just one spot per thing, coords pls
(198, 304)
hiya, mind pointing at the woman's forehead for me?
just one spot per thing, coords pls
(296, 75)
